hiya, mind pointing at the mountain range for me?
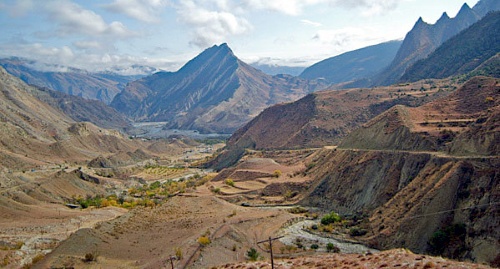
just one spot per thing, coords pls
(414, 165)
(424, 38)
(354, 65)
(217, 93)
(392, 62)
(214, 92)
(101, 86)
(461, 53)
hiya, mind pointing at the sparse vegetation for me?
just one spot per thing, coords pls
(449, 241)
(277, 173)
(297, 210)
(204, 240)
(356, 231)
(330, 218)
(330, 247)
(253, 254)
(90, 257)
(229, 182)
(178, 253)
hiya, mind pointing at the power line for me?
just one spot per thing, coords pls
(451, 210)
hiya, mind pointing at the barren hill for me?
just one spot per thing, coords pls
(214, 92)
(80, 109)
(35, 133)
(421, 172)
(323, 118)
(434, 125)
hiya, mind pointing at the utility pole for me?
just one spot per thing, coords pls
(270, 240)
(172, 258)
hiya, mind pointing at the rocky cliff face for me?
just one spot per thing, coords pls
(422, 40)
(411, 196)
(214, 92)
(460, 54)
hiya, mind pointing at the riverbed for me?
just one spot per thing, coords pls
(297, 232)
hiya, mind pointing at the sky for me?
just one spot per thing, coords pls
(108, 34)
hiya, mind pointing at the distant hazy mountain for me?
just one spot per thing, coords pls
(272, 69)
(80, 109)
(354, 65)
(422, 40)
(214, 92)
(462, 53)
(99, 86)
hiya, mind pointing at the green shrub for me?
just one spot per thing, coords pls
(451, 236)
(253, 254)
(229, 182)
(90, 257)
(204, 240)
(314, 246)
(330, 247)
(330, 218)
(356, 231)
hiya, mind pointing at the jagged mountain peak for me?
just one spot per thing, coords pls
(424, 38)
(464, 7)
(215, 54)
(466, 11)
(443, 18)
(420, 21)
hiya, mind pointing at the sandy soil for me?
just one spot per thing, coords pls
(397, 258)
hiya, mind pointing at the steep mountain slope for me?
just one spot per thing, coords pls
(81, 109)
(485, 6)
(33, 133)
(97, 86)
(214, 92)
(354, 65)
(433, 126)
(419, 173)
(422, 40)
(322, 118)
(462, 53)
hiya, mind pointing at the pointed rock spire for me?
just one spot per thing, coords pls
(444, 17)
(464, 10)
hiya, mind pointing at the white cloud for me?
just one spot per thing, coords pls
(369, 7)
(348, 38)
(143, 10)
(63, 59)
(37, 51)
(20, 8)
(311, 23)
(85, 45)
(295, 7)
(73, 19)
(211, 26)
